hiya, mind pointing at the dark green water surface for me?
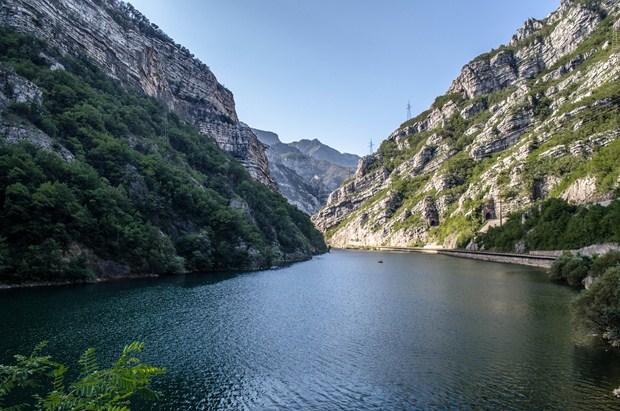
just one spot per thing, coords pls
(341, 331)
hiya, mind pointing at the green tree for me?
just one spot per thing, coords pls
(600, 304)
(604, 262)
(95, 389)
(4, 256)
(571, 268)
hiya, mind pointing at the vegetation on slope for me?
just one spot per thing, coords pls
(144, 190)
(555, 225)
(599, 305)
(529, 140)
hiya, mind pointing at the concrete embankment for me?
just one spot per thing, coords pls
(544, 261)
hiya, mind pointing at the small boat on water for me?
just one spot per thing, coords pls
(380, 261)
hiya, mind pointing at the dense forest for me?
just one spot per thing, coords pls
(124, 186)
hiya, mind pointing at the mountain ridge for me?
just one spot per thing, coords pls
(314, 148)
(99, 180)
(533, 119)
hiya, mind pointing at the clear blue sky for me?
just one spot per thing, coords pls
(341, 71)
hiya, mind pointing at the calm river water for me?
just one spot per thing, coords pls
(341, 331)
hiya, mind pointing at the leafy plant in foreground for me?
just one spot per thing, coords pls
(95, 388)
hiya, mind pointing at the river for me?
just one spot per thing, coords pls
(341, 331)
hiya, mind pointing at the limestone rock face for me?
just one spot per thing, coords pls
(307, 195)
(534, 119)
(351, 195)
(530, 27)
(17, 89)
(581, 191)
(487, 75)
(507, 67)
(131, 49)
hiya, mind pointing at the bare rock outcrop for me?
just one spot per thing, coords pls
(506, 67)
(17, 89)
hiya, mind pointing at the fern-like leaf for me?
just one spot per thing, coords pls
(88, 362)
(59, 378)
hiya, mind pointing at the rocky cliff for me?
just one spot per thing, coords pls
(129, 48)
(98, 180)
(536, 118)
(306, 171)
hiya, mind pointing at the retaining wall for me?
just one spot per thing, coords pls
(523, 259)
(544, 261)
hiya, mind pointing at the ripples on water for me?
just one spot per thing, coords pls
(338, 332)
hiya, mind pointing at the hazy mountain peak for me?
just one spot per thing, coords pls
(266, 137)
(320, 151)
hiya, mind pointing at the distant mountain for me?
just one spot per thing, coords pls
(534, 119)
(306, 171)
(316, 149)
(266, 137)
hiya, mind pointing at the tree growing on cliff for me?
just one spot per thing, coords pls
(4, 255)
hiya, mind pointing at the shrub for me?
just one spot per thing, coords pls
(576, 269)
(604, 262)
(570, 268)
(556, 273)
(600, 304)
